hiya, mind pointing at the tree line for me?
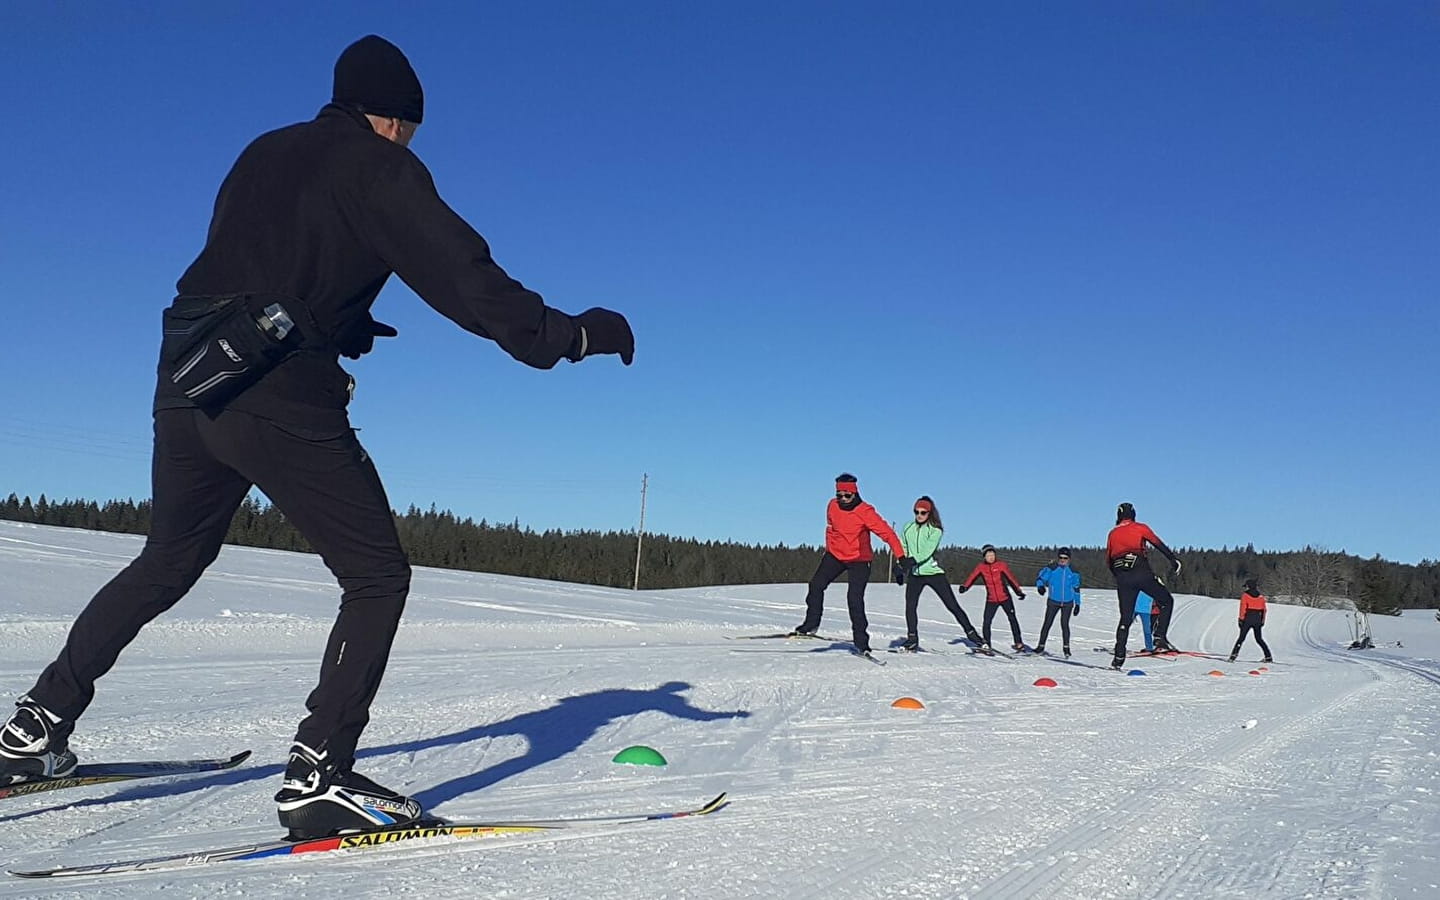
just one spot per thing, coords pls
(1312, 576)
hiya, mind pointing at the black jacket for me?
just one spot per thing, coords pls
(324, 211)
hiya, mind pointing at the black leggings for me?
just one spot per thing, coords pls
(831, 568)
(326, 485)
(915, 584)
(1009, 606)
(1128, 585)
(1051, 609)
(1246, 627)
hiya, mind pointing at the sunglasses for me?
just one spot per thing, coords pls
(922, 512)
(1064, 557)
(844, 495)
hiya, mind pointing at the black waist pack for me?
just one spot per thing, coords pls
(1128, 561)
(214, 348)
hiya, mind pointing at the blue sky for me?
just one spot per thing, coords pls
(1030, 259)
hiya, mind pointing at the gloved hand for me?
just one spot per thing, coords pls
(898, 574)
(907, 564)
(359, 338)
(1020, 595)
(962, 589)
(1040, 590)
(1077, 610)
(600, 330)
(1176, 571)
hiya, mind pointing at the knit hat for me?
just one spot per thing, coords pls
(1064, 552)
(373, 76)
(988, 548)
(1251, 584)
(1125, 511)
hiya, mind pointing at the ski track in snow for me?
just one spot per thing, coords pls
(507, 697)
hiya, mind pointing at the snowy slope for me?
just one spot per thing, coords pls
(507, 697)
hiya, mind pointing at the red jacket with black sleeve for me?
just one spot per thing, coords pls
(1131, 537)
(847, 532)
(997, 575)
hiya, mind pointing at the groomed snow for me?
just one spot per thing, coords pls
(507, 697)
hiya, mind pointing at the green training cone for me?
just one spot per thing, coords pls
(639, 756)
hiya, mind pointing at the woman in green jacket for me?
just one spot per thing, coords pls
(921, 539)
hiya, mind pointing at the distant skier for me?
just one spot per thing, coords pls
(1063, 585)
(308, 226)
(1125, 554)
(1252, 618)
(849, 521)
(999, 581)
(1145, 610)
(921, 538)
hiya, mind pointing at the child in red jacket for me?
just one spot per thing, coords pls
(849, 522)
(1252, 618)
(998, 582)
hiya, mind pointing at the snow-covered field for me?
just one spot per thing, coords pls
(507, 698)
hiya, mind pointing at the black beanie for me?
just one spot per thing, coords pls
(373, 76)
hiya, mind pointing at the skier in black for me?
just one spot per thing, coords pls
(308, 226)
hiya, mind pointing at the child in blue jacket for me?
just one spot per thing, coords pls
(1063, 585)
(1144, 609)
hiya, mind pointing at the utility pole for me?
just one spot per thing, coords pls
(640, 535)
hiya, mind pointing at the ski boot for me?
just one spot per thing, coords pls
(984, 648)
(1164, 646)
(1039, 650)
(1020, 648)
(1117, 664)
(1232, 656)
(34, 743)
(319, 799)
(911, 644)
(1066, 649)
(802, 631)
(1267, 659)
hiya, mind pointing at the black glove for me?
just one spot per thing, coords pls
(1019, 595)
(1077, 610)
(962, 589)
(602, 331)
(898, 574)
(1041, 590)
(906, 563)
(359, 338)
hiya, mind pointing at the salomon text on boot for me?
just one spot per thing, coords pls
(319, 799)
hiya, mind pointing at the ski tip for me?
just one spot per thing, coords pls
(717, 804)
(238, 758)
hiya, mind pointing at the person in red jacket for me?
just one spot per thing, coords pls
(849, 522)
(1252, 618)
(998, 582)
(1125, 556)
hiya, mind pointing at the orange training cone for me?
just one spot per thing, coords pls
(908, 703)
(1045, 682)
(1217, 673)
(1254, 671)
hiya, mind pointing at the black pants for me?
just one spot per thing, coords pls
(831, 568)
(201, 471)
(1128, 585)
(1009, 606)
(915, 584)
(1251, 622)
(1051, 609)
